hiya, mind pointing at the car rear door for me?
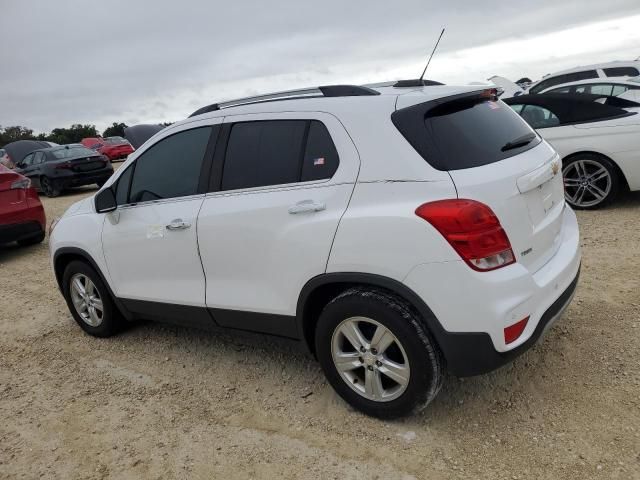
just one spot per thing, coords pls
(280, 186)
(150, 242)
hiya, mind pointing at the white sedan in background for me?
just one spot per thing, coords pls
(599, 143)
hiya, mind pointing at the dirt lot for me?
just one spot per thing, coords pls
(166, 402)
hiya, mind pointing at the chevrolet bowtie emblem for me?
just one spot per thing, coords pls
(555, 167)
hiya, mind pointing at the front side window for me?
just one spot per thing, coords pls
(122, 186)
(27, 160)
(38, 158)
(171, 167)
(539, 117)
(565, 78)
(277, 152)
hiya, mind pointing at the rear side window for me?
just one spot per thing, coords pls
(171, 167)
(465, 133)
(320, 157)
(621, 72)
(276, 152)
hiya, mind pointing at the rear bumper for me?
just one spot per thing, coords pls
(19, 231)
(474, 308)
(473, 353)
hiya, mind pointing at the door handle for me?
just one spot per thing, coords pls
(306, 206)
(178, 224)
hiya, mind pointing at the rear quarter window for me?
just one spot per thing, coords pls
(465, 134)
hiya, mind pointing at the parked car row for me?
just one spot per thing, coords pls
(115, 148)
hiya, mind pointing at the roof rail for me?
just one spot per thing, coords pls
(315, 92)
(404, 83)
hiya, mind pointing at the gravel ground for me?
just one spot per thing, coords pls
(162, 402)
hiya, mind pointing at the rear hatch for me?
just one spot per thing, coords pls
(494, 157)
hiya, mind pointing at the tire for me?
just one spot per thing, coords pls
(412, 349)
(48, 187)
(591, 181)
(25, 242)
(110, 320)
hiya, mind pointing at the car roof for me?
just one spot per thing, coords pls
(595, 66)
(631, 81)
(571, 108)
(386, 95)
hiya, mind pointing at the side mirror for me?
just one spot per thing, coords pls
(105, 201)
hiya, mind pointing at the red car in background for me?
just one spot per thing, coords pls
(22, 217)
(112, 147)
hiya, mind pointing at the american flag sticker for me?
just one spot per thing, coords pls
(318, 161)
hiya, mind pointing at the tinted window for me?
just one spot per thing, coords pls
(72, 152)
(621, 72)
(38, 158)
(565, 78)
(539, 117)
(27, 160)
(560, 90)
(171, 167)
(122, 187)
(320, 157)
(263, 153)
(619, 90)
(471, 134)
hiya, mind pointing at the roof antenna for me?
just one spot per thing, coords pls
(431, 56)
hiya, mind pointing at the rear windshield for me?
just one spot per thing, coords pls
(471, 133)
(114, 140)
(72, 152)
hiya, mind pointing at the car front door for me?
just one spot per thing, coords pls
(149, 241)
(280, 186)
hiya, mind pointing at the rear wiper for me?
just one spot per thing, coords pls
(519, 142)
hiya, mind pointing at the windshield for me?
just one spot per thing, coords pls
(72, 152)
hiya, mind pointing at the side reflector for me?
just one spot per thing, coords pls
(513, 332)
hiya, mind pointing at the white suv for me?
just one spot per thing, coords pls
(398, 232)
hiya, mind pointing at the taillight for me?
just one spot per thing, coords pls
(473, 230)
(21, 184)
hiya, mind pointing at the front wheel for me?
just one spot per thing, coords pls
(590, 181)
(377, 354)
(89, 301)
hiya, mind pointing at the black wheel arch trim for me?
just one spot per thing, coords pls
(355, 278)
(78, 252)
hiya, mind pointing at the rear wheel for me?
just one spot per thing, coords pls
(89, 300)
(590, 181)
(48, 187)
(377, 354)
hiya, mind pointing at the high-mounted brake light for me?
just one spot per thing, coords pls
(490, 93)
(473, 230)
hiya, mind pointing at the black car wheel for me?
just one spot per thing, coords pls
(377, 353)
(48, 187)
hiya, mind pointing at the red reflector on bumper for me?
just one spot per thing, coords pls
(513, 332)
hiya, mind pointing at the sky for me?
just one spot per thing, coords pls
(144, 61)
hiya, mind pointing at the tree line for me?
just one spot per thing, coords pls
(62, 136)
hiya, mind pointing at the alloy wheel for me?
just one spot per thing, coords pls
(586, 183)
(370, 359)
(86, 300)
